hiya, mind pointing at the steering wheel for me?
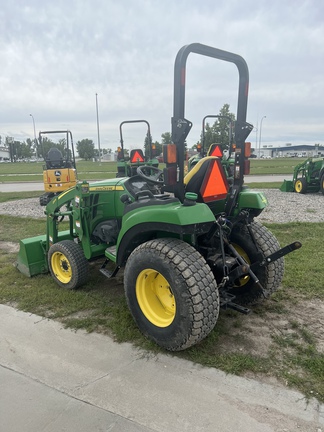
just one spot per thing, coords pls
(156, 176)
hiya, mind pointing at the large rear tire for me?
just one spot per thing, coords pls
(67, 264)
(270, 276)
(171, 293)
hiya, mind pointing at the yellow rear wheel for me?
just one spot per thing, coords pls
(171, 293)
(155, 298)
(245, 279)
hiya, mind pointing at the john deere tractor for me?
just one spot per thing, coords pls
(127, 165)
(59, 170)
(186, 251)
(214, 149)
(308, 176)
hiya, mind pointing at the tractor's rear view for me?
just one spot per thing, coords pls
(127, 164)
(188, 244)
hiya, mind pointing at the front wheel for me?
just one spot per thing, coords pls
(300, 185)
(171, 293)
(67, 264)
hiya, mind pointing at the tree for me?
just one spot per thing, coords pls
(26, 149)
(46, 145)
(86, 149)
(166, 138)
(219, 132)
(158, 147)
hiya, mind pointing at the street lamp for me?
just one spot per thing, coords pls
(98, 128)
(260, 134)
(35, 139)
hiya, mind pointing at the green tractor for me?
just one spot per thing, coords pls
(127, 165)
(214, 149)
(308, 177)
(187, 250)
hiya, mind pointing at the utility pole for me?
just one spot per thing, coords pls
(260, 134)
(35, 139)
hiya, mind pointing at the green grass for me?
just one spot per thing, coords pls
(274, 166)
(87, 170)
(272, 185)
(293, 355)
(27, 172)
(8, 196)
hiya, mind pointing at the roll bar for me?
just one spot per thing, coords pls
(148, 134)
(68, 134)
(181, 126)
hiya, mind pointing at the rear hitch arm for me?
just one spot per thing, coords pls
(278, 254)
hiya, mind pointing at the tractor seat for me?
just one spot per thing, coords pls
(208, 180)
(54, 159)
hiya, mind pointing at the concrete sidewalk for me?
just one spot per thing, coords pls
(54, 379)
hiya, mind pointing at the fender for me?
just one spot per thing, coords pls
(176, 219)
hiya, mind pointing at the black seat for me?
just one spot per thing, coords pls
(54, 159)
(207, 179)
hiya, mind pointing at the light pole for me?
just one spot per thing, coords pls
(98, 128)
(260, 135)
(35, 139)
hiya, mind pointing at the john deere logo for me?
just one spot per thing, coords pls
(57, 173)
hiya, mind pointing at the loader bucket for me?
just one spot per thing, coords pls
(31, 258)
(287, 186)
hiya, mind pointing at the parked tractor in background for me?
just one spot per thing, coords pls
(308, 176)
(127, 165)
(59, 171)
(187, 250)
(215, 149)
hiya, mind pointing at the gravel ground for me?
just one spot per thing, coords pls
(283, 207)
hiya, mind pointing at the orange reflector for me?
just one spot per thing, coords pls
(170, 153)
(215, 184)
(215, 150)
(137, 156)
(247, 149)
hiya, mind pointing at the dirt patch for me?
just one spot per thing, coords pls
(9, 247)
(254, 333)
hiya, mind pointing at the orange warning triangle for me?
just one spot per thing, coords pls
(137, 157)
(216, 151)
(215, 184)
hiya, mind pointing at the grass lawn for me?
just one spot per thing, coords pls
(19, 171)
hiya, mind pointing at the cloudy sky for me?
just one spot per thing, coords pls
(56, 55)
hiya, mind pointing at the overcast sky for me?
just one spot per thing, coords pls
(56, 55)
